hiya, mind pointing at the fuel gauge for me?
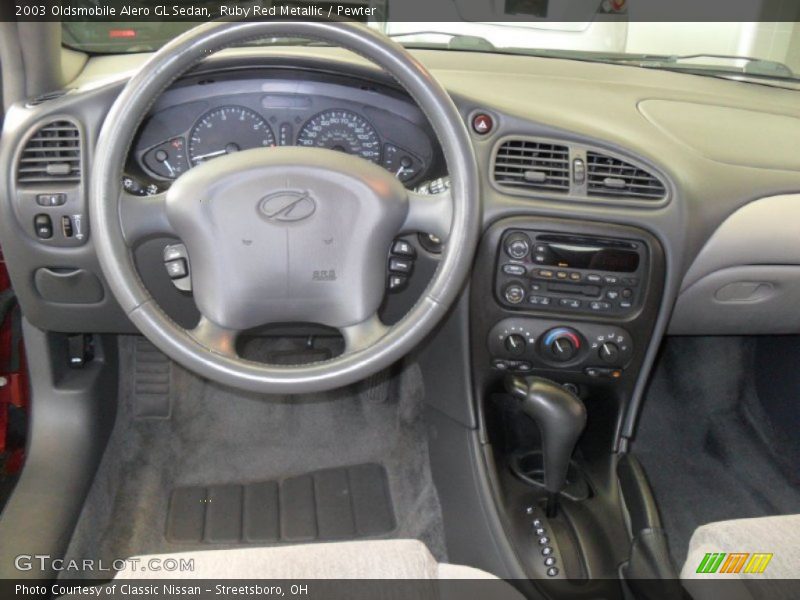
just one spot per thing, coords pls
(404, 165)
(168, 159)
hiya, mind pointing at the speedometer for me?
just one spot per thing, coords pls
(226, 130)
(342, 130)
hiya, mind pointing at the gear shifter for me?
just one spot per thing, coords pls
(561, 417)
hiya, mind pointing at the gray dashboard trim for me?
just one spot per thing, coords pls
(746, 279)
(763, 232)
(717, 132)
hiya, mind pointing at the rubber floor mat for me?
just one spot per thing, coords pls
(331, 504)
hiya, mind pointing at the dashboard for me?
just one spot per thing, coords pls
(207, 117)
(580, 160)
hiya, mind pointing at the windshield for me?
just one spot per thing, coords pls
(749, 51)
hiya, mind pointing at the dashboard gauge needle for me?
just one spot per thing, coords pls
(211, 154)
(169, 167)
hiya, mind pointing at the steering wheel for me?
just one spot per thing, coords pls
(286, 234)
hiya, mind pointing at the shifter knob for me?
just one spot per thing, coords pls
(560, 416)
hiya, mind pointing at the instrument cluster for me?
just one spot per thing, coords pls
(188, 129)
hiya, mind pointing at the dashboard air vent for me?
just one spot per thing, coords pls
(532, 165)
(611, 177)
(52, 155)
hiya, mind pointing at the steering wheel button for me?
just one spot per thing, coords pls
(397, 281)
(403, 248)
(176, 269)
(400, 265)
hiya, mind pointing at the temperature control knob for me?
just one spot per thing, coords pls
(562, 344)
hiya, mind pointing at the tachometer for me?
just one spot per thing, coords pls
(226, 130)
(342, 130)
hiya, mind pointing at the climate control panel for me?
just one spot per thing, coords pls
(593, 349)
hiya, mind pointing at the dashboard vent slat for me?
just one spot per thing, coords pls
(608, 176)
(52, 155)
(532, 165)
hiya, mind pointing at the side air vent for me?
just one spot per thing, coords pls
(532, 165)
(52, 155)
(611, 177)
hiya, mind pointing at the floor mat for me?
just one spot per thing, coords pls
(706, 442)
(344, 503)
(216, 436)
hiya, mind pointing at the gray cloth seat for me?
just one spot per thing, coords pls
(373, 559)
(778, 536)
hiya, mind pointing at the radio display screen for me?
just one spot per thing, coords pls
(592, 257)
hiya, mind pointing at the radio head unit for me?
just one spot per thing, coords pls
(558, 272)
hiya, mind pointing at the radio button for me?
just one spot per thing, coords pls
(561, 274)
(514, 293)
(539, 258)
(570, 302)
(594, 278)
(625, 304)
(539, 300)
(518, 245)
(546, 273)
(610, 279)
(630, 280)
(600, 305)
(612, 294)
(575, 276)
(627, 293)
(510, 269)
(540, 248)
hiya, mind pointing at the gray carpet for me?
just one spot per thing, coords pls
(708, 446)
(217, 436)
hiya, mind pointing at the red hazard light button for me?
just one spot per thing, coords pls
(482, 123)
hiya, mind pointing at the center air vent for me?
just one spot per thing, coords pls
(611, 177)
(532, 165)
(52, 155)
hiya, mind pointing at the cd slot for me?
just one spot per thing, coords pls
(592, 291)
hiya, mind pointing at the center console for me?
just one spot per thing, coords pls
(570, 304)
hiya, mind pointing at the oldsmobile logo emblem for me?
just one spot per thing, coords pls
(287, 206)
